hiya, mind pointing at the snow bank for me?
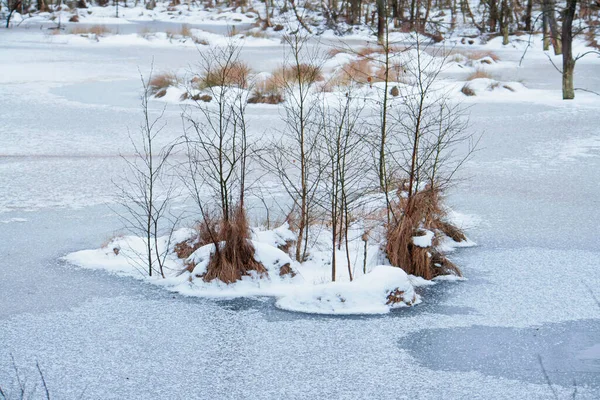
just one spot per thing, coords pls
(377, 292)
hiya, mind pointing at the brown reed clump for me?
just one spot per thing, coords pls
(420, 211)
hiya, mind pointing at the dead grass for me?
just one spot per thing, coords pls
(235, 257)
(467, 91)
(146, 32)
(479, 74)
(234, 74)
(202, 237)
(370, 50)
(259, 97)
(202, 97)
(362, 71)
(303, 73)
(162, 82)
(422, 211)
(183, 32)
(98, 30)
(266, 92)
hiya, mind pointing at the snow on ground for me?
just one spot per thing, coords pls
(367, 294)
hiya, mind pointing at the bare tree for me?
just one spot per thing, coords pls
(216, 140)
(294, 156)
(428, 145)
(346, 153)
(146, 193)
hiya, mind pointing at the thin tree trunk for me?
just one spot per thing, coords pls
(546, 42)
(528, 11)
(567, 50)
(381, 20)
(548, 9)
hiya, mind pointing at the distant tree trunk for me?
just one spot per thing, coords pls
(548, 7)
(426, 18)
(504, 21)
(381, 19)
(545, 29)
(567, 50)
(354, 15)
(41, 6)
(413, 11)
(528, 11)
(494, 17)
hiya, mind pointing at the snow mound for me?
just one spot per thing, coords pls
(377, 292)
(271, 257)
(486, 86)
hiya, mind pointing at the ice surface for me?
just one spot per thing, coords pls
(534, 215)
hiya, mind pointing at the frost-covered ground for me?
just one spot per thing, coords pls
(531, 193)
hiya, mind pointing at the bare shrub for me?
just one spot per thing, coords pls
(218, 155)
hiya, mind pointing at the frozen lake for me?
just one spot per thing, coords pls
(532, 194)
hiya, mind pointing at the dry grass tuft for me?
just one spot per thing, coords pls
(480, 54)
(202, 97)
(370, 50)
(266, 92)
(479, 74)
(202, 42)
(421, 211)
(286, 270)
(259, 97)
(362, 71)
(161, 82)
(467, 91)
(234, 74)
(234, 257)
(398, 296)
(98, 30)
(204, 232)
(185, 31)
(303, 73)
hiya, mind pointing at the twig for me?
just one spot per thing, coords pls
(592, 294)
(552, 62)
(587, 90)
(548, 381)
(37, 364)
